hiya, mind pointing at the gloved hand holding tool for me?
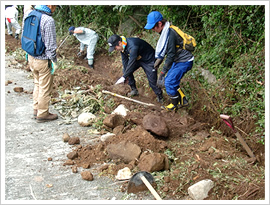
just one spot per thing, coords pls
(120, 80)
(228, 120)
(161, 80)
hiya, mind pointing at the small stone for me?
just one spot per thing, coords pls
(86, 166)
(86, 175)
(74, 169)
(66, 137)
(68, 162)
(49, 159)
(18, 89)
(167, 179)
(165, 189)
(74, 140)
(72, 155)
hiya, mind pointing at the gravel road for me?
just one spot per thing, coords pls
(28, 174)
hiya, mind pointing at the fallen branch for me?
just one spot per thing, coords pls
(120, 96)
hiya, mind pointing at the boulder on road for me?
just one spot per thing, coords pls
(154, 162)
(125, 151)
(156, 125)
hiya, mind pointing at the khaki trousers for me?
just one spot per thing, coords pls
(43, 83)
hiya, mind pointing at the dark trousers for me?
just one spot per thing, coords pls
(151, 74)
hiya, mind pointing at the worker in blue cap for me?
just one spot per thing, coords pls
(88, 38)
(178, 60)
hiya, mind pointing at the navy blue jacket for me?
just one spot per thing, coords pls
(135, 51)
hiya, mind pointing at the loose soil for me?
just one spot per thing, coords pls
(196, 150)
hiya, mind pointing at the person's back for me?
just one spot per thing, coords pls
(48, 34)
(144, 49)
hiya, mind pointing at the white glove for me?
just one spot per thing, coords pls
(120, 80)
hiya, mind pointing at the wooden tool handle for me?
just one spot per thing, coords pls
(151, 189)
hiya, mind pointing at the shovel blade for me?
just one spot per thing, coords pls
(136, 184)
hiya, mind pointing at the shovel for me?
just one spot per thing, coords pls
(138, 182)
(228, 120)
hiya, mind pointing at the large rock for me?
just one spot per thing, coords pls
(86, 119)
(156, 125)
(199, 191)
(114, 120)
(121, 110)
(154, 162)
(124, 151)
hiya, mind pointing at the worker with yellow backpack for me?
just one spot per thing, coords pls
(178, 47)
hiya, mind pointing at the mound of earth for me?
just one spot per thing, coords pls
(194, 148)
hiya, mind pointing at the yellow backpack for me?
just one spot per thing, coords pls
(189, 42)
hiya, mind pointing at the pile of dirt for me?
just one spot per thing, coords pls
(195, 150)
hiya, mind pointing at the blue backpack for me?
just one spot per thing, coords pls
(31, 38)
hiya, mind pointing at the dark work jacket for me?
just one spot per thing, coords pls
(136, 50)
(173, 53)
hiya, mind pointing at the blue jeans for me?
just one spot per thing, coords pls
(174, 75)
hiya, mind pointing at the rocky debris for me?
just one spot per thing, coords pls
(199, 191)
(74, 169)
(124, 151)
(118, 130)
(65, 137)
(68, 162)
(86, 175)
(18, 89)
(156, 125)
(86, 119)
(154, 162)
(74, 140)
(123, 174)
(107, 136)
(8, 82)
(114, 120)
(121, 110)
(72, 155)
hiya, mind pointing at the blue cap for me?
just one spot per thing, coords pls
(152, 19)
(71, 28)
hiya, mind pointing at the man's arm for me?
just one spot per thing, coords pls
(133, 54)
(171, 51)
(50, 40)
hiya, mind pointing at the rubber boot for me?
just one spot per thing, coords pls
(134, 91)
(160, 98)
(183, 100)
(17, 36)
(173, 106)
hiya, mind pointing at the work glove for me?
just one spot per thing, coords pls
(79, 54)
(54, 67)
(161, 80)
(26, 57)
(120, 80)
(157, 63)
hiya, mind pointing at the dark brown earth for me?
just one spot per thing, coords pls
(196, 150)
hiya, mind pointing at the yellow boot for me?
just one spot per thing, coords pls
(183, 102)
(173, 106)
